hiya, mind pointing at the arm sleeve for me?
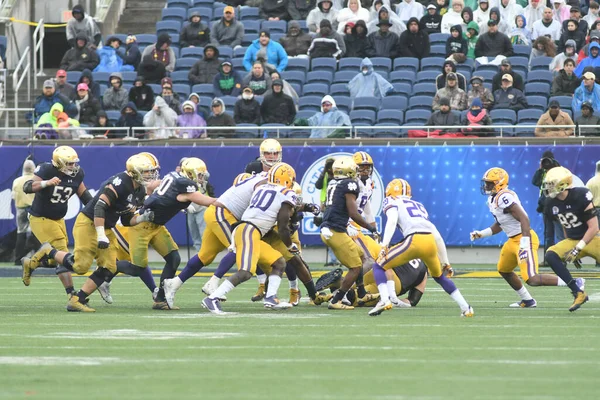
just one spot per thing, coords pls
(368, 213)
(390, 225)
(441, 246)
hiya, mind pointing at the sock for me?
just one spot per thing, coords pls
(225, 265)
(383, 292)
(82, 296)
(391, 287)
(222, 290)
(52, 253)
(290, 272)
(360, 290)
(446, 284)
(561, 270)
(148, 279)
(460, 300)
(294, 284)
(214, 279)
(69, 290)
(193, 265)
(339, 295)
(310, 288)
(524, 293)
(561, 282)
(274, 282)
(262, 278)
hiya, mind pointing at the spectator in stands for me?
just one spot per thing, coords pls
(397, 26)
(369, 83)
(141, 95)
(482, 14)
(49, 119)
(162, 117)
(274, 10)
(495, 15)
(267, 49)
(356, 42)
(383, 43)
(220, 118)
(277, 107)
(227, 31)
(520, 34)
(328, 116)
(162, 52)
(110, 58)
(592, 15)
(467, 16)
(413, 41)
(431, 22)
(87, 106)
(299, 9)
(84, 25)
(247, 108)
(588, 91)
(558, 61)
(554, 117)
(296, 42)
(561, 11)
(442, 7)
(352, 13)
(509, 9)
(506, 68)
(115, 97)
(542, 47)
(410, 9)
(102, 121)
(587, 118)
(62, 86)
(170, 97)
(258, 80)
(287, 88)
(566, 82)
(49, 97)
(478, 91)
(196, 33)
(79, 57)
(88, 78)
(534, 12)
(327, 43)
(476, 118)
(547, 26)
(493, 44)
(456, 45)
(471, 35)
(575, 15)
(450, 66)
(204, 70)
(457, 96)
(509, 97)
(443, 116)
(227, 82)
(130, 119)
(594, 37)
(152, 70)
(131, 54)
(572, 33)
(453, 16)
(324, 10)
(592, 61)
(200, 110)
(190, 120)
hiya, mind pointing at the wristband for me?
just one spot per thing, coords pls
(487, 232)
(372, 229)
(100, 231)
(579, 246)
(525, 242)
(44, 184)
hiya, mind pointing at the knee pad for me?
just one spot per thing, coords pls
(61, 269)
(101, 275)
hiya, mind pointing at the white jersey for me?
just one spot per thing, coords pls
(498, 205)
(237, 198)
(363, 201)
(265, 205)
(412, 217)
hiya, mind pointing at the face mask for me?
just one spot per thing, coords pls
(365, 71)
(247, 96)
(168, 98)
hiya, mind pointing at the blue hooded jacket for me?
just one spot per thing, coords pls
(276, 55)
(583, 94)
(370, 84)
(590, 61)
(111, 61)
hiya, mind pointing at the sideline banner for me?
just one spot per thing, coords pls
(446, 179)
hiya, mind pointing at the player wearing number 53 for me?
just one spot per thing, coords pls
(53, 184)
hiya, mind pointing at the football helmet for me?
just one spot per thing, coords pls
(282, 174)
(154, 162)
(364, 162)
(194, 169)
(557, 180)
(241, 177)
(65, 159)
(140, 169)
(398, 188)
(270, 152)
(344, 167)
(298, 190)
(494, 180)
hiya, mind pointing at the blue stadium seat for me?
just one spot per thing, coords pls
(272, 130)
(180, 77)
(487, 75)
(416, 117)
(174, 14)
(178, 4)
(218, 11)
(427, 76)
(383, 130)
(529, 116)
(467, 76)
(156, 89)
(394, 103)
(420, 103)
(310, 103)
(202, 3)
(229, 101)
(128, 76)
(406, 63)
(362, 117)
(103, 88)
(174, 40)
(185, 64)
(432, 64)
(350, 64)
(537, 88)
(403, 76)
(390, 117)
(366, 103)
(541, 64)
(424, 89)
(73, 76)
(238, 65)
(438, 38)
(438, 50)
(297, 64)
(298, 77)
(304, 114)
(537, 102)
(193, 52)
(168, 27)
(525, 130)
(343, 103)
(487, 67)
(540, 76)
(339, 89)
(145, 39)
(503, 117)
(251, 27)
(319, 89)
(225, 52)
(101, 77)
(204, 90)
(182, 89)
(113, 115)
(249, 14)
(297, 88)
(402, 89)
(564, 101)
(276, 36)
(175, 48)
(303, 25)
(206, 13)
(382, 64)
(239, 52)
(274, 26)
(522, 50)
(344, 76)
(323, 64)
(468, 64)
(298, 133)
(325, 77)
(520, 63)
(249, 38)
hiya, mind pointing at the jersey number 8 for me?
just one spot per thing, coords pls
(61, 194)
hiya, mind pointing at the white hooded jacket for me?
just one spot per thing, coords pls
(161, 118)
(452, 18)
(510, 12)
(347, 15)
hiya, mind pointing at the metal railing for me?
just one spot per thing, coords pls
(24, 65)
(484, 130)
(38, 46)
(3, 73)
(5, 112)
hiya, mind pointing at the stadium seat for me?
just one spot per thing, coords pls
(525, 130)
(193, 52)
(432, 64)
(427, 76)
(297, 64)
(303, 25)
(247, 133)
(239, 52)
(225, 52)
(420, 103)
(318, 89)
(298, 77)
(145, 39)
(202, 3)
(487, 75)
(273, 130)
(180, 77)
(174, 40)
(203, 89)
(304, 114)
(438, 38)
(362, 117)
(103, 88)
(156, 89)
(128, 76)
(402, 89)
(564, 101)
(206, 13)
(277, 36)
(113, 115)
(503, 117)
(541, 64)
(366, 103)
(248, 39)
(178, 4)
(101, 77)
(486, 67)
(406, 63)
(251, 27)
(168, 27)
(297, 88)
(185, 64)
(537, 102)
(416, 117)
(424, 89)
(238, 65)
(325, 77)
(382, 64)
(529, 116)
(249, 14)
(218, 11)
(468, 64)
(350, 64)
(522, 50)
(343, 103)
(310, 103)
(540, 76)
(339, 89)
(520, 63)
(274, 26)
(438, 50)
(537, 89)
(403, 76)
(394, 103)
(343, 76)
(390, 117)
(182, 89)
(323, 64)
(73, 76)
(385, 130)
(229, 101)
(174, 14)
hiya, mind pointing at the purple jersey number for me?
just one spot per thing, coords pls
(263, 199)
(415, 209)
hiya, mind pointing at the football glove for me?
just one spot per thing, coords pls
(481, 234)
(312, 208)
(383, 253)
(571, 256)
(326, 232)
(352, 231)
(294, 249)
(103, 241)
(146, 216)
(475, 235)
(447, 268)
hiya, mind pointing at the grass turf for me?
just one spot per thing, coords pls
(128, 351)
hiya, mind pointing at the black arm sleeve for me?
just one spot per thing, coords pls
(320, 179)
(100, 209)
(28, 186)
(85, 197)
(414, 296)
(589, 214)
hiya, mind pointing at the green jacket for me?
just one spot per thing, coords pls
(471, 41)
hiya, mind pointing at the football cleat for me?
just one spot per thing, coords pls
(260, 293)
(155, 293)
(170, 290)
(380, 307)
(74, 305)
(320, 298)
(163, 305)
(339, 306)
(39, 256)
(212, 305)
(210, 286)
(396, 302)
(525, 304)
(104, 291)
(27, 270)
(273, 303)
(295, 296)
(468, 312)
(581, 283)
(369, 299)
(328, 279)
(580, 299)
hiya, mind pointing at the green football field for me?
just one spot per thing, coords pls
(128, 351)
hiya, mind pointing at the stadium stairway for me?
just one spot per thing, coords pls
(140, 16)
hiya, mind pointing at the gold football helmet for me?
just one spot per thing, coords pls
(494, 180)
(154, 162)
(282, 174)
(364, 162)
(298, 190)
(194, 169)
(241, 177)
(140, 168)
(65, 159)
(398, 188)
(270, 152)
(557, 180)
(344, 167)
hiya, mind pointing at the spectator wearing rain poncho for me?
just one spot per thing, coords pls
(328, 116)
(110, 58)
(503, 27)
(323, 10)
(189, 120)
(385, 13)
(509, 9)
(592, 61)
(453, 16)
(520, 34)
(410, 9)
(588, 91)
(482, 14)
(534, 12)
(561, 12)
(352, 13)
(369, 83)
(160, 116)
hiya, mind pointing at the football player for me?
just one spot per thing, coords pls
(342, 192)
(420, 241)
(272, 204)
(573, 207)
(92, 232)
(522, 245)
(54, 183)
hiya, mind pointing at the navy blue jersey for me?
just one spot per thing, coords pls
(53, 201)
(127, 200)
(164, 201)
(570, 211)
(336, 214)
(410, 274)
